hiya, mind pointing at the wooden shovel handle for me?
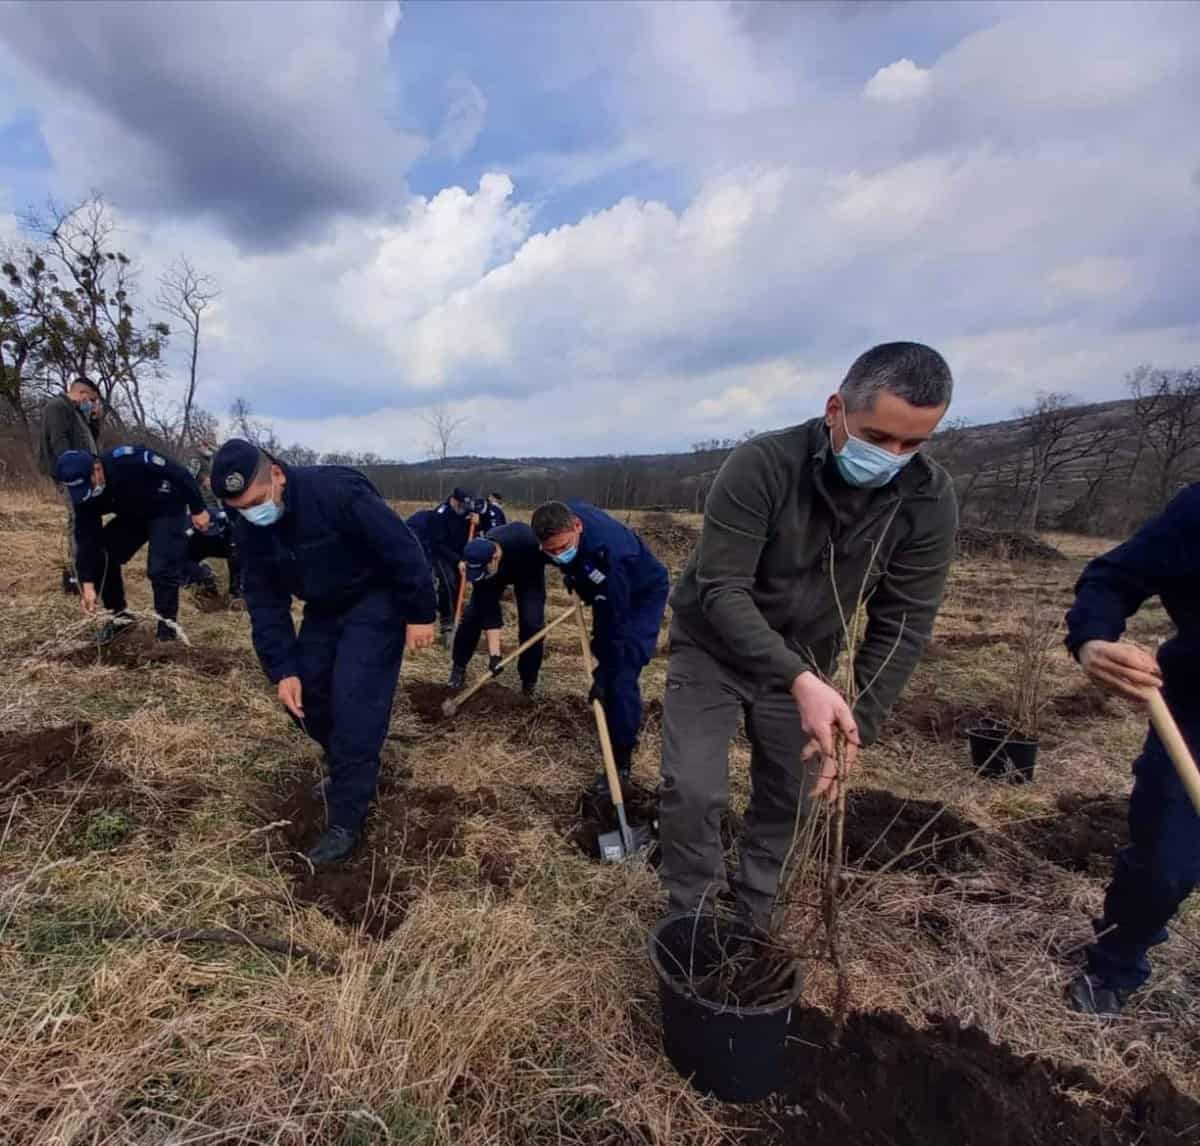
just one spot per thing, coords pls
(462, 581)
(1176, 746)
(606, 749)
(540, 635)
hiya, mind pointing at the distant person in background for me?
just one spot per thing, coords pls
(799, 526)
(421, 523)
(449, 530)
(324, 535)
(509, 555)
(151, 498)
(492, 515)
(609, 568)
(70, 421)
(1161, 866)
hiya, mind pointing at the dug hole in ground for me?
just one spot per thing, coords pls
(472, 976)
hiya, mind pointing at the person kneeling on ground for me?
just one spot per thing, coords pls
(799, 527)
(323, 534)
(1161, 866)
(151, 497)
(509, 555)
(609, 568)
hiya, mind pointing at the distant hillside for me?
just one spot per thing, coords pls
(1096, 467)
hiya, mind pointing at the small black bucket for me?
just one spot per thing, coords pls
(736, 1054)
(995, 751)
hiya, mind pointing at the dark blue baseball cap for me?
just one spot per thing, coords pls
(460, 494)
(234, 467)
(477, 556)
(74, 471)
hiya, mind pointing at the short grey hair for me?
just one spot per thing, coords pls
(910, 370)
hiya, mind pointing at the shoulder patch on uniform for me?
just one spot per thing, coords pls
(596, 577)
(122, 451)
(157, 459)
(440, 509)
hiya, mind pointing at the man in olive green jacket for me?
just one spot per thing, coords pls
(70, 421)
(800, 525)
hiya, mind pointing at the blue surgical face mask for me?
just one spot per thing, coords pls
(866, 465)
(86, 407)
(265, 513)
(565, 557)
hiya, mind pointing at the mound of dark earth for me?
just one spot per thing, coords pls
(138, 649)
(410, 828)
(932, 718)
(889, 1084)
(49, 756)
(883, 829)
(1084, 836)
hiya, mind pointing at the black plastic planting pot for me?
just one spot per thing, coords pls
(996, 751)
(735, 1054)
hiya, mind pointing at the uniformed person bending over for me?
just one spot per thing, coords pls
(509, 555)
(609, 568)
(323, 534)
(151, 497)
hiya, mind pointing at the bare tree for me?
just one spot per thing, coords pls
(1166, 404)
(187, 293)
(1055, 437)
(446, 427)
(245, 425)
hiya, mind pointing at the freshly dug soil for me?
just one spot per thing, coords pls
(496, 700)
(943, 645)
(48, 756)
(668, 538)
(889, 1084)
(942, 720)
(1084, 836)
(1006, 544)
(409, 829)
(594, 816)
(138, 649)
(1086, 703)
(881, 826)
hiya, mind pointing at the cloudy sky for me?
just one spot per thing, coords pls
(603, 227)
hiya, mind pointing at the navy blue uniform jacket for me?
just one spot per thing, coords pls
(448, 533)
(138, 483)
(1161, 560)
(491, 518)
(522, 561)
(421, 523)
(617, 575)
(337, 539)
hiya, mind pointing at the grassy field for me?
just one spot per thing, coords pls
(172, 974)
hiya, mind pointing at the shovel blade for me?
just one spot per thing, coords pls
(612, 848)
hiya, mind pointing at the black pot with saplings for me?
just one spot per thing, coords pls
(726, 1000)
(1007, 748)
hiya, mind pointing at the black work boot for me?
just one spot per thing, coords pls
(334, 845)
(1088, 995)
(529, 689)
(166, 632)
(457, 677)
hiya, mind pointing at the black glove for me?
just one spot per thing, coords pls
(597, 692)
(495, 667)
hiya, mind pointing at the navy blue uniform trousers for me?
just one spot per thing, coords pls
(619, 669)
(1159, 868)
(349, 664)
(122, 537)
(483, 611)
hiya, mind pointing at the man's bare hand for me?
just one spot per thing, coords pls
(87, 597)
(418, 637)
(1121, 668)
(826, 718)
(201, 520)
(289, 695)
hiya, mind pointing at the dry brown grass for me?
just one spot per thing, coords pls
(488, 1016)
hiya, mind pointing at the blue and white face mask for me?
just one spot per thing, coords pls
(865, 465)
(265, 513)
(565, 557)
(86, 407)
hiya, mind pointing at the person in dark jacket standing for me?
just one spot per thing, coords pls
(323, 534)
(69, 422)
(609, 568)
(1161, 866)
(449, 531)
(421, 523)
(151, 498)
(509, 555)
(800, 525)
(492, 515)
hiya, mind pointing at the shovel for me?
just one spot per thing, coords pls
(626, 841)
(453, 703)
(462, 580)
(1177, 749)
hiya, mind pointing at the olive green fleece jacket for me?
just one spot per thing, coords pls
(787, 549)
